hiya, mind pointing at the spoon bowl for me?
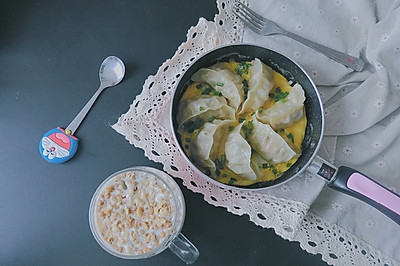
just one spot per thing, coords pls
(112, 71)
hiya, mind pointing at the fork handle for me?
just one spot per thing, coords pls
(352, 62)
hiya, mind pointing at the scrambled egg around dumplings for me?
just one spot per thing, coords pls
(252, 166)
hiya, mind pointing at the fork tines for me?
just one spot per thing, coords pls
(249, 17)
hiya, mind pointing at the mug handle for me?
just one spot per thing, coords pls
(184, 249)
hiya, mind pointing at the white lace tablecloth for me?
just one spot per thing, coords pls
(362, 123)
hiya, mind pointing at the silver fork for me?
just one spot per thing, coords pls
(264, 26)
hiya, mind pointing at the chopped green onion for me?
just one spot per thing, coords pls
(191, 126)
(278, 95)
(217, 93)
(242, 67)
(290, 136)
(267, 165)
(247, 129)
(220, 164)
(245, 88)
(207, 90)
(232, 181)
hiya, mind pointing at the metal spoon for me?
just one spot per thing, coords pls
(59, 145)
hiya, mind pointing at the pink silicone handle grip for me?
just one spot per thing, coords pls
(360, 186)
(374, 191)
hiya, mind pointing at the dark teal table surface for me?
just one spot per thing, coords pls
(50, 53)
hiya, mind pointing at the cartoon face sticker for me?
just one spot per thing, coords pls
(57, 147)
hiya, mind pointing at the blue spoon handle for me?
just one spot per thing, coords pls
(57, 146)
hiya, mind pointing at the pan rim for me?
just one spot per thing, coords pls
(244, 188)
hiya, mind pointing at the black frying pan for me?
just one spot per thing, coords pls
(344, 179)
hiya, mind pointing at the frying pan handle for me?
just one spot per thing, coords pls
(358, 185)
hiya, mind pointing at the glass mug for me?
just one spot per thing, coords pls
(137, 213)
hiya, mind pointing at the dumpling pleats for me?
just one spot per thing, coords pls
(201, 146)
(204, 107)
(238, 154)
(221, 81)
(260, 84)
(284, 113)
(205, 147)
(269, 144)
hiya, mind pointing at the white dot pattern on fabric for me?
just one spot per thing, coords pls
(297, 55)
(285, 188)
(370, 224)
(347, 150)
(381, 164)
(377, 144)
(336, 206)
(354, 113)
(379, 103)
(299, 27)
(396, 87)
(355, 19)
(384, 37)
(378, 66)
(284, 7)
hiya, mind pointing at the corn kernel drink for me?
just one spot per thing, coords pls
(137, 213)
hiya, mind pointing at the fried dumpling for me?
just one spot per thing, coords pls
(221, 80)
(204, 107)
(205, 146)
(269, 144)
(284, 113)
(238, 154)
(260, 84)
